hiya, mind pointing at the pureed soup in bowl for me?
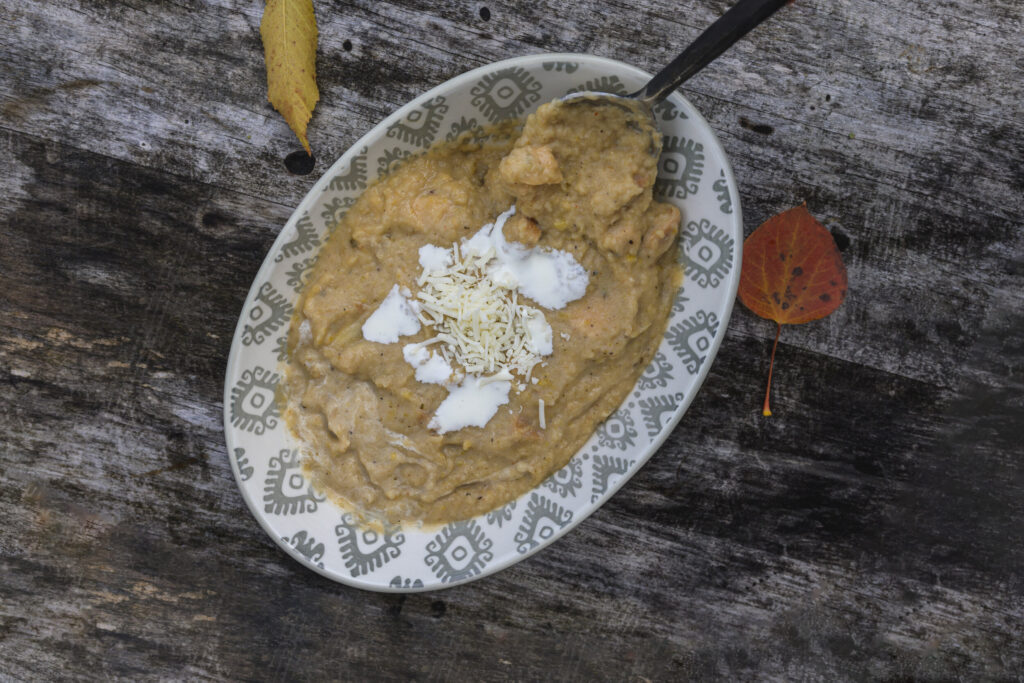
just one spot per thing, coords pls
(456, 307)
(438, 369)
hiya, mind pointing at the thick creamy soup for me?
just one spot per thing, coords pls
(479, 311)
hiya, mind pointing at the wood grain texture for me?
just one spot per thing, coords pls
(870, 530)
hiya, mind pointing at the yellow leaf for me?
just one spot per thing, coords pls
(289, 37)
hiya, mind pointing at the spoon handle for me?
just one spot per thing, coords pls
(716, 39)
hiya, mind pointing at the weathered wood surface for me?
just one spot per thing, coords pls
(871, 529)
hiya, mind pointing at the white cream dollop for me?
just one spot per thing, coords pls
(433, 258)
(431, 368)
(394, 318)
(550, 277)
(539, 340)
(470, 404)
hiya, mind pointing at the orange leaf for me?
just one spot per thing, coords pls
(792, 273)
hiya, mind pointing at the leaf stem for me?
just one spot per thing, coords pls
(767, 411)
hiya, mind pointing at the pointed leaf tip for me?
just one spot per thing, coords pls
(289, 34)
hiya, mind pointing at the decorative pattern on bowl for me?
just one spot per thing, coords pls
(693, 173)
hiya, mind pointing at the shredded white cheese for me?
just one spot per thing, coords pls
(540, 413)
(474, 307)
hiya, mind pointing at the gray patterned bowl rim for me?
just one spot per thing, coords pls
(463, 80)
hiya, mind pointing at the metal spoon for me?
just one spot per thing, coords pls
(716, 39)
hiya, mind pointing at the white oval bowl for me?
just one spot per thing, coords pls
(693, 174)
